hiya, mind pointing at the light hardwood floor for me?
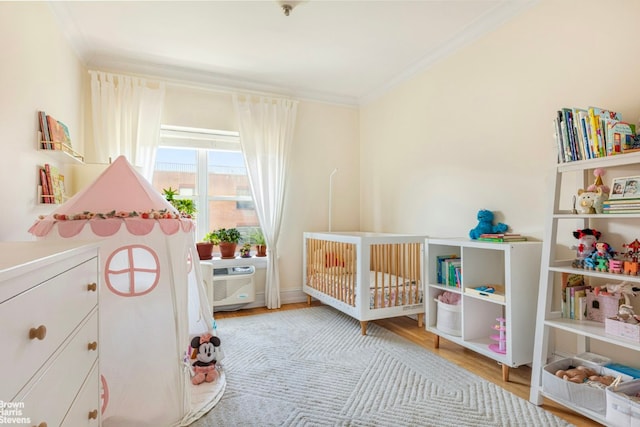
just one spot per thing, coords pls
(519, 379)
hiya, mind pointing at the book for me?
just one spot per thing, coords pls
(622, 211)
(502, 237)
(55, 132)
(55, 180)
(440, 259)
(581, 117)
(556, 134)
(571, 298)
(601, 115)
(580, 303)
(45, 187)
(596, 137)
(44, 129)
(567, 130)
(569, 280)
(47, 170)
(619, 136)
(615, 202)
(564, 141)
(622, 207)
(452, 272)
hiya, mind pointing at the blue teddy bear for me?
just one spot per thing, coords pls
(485, 225)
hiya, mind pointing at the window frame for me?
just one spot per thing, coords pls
(203, 141)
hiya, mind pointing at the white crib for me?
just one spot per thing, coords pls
(367, 276)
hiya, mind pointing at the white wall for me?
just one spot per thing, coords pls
(39, 72)
(474, 132)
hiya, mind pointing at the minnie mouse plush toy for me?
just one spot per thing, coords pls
(205, 365)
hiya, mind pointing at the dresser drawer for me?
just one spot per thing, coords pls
(49, 397)
(85, 410)
(59, 305)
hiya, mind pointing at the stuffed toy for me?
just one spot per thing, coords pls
(577, 375)
(485, 225)
(587, 239)
(582, 374)
(205, 366)
(592, 202)
(598, 173)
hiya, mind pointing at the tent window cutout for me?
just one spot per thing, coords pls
(132, 271)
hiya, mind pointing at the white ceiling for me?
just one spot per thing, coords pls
(337, 51)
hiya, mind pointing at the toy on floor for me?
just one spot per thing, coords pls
(205, 365)
(501, 338)
(486, 226)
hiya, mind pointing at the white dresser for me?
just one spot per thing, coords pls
(49, 372)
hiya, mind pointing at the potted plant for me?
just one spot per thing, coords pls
(261, 243)
(186, 207)
(205, 247)
(228, 239)
(245, 250)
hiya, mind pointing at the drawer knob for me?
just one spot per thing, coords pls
(93, 345)
(92, 287)
(42, 424)
(40, 332)
(93, 414)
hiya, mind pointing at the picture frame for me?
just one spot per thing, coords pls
(625, 188)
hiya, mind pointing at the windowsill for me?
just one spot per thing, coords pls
(257, 262)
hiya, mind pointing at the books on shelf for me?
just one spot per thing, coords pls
(573, 289)
(593, 132)
(52, 183)
(621, 206)
(54, 134)
(502, 237)
(449, 270)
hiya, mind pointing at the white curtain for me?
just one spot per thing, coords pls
(126, 114)
(266, 133)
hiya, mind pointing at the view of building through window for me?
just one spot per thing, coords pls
(214, 178)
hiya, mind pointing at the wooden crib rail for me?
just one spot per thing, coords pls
(397, 274)
(331, 268)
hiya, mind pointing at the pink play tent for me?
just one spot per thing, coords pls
(151, 299)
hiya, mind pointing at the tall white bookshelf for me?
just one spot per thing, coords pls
(549, 321)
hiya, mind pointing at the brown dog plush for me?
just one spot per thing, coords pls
(576, 375)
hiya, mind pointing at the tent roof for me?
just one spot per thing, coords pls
(121, 188)
(119, 195)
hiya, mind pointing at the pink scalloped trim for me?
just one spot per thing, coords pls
(110, 226)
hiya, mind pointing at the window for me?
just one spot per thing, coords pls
(207, 167)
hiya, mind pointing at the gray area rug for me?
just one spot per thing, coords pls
(312, 367)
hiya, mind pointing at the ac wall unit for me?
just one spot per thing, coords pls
(232, 287)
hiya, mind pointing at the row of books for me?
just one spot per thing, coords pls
(617, 206)
(574, 297)
(52, 183)
(54, 134)
(449, 270)
(583, 134)
(502, 237)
